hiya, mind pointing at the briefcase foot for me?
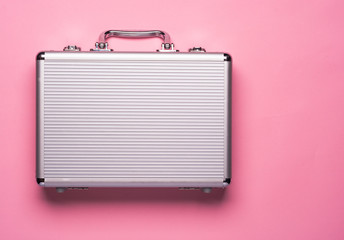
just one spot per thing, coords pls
(61, 189)
(206, 190)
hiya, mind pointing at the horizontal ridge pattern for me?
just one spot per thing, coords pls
(134, 119)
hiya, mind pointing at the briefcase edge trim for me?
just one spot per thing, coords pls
(40, 115)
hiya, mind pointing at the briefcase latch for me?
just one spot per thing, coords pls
(72, 48)
(197, 49)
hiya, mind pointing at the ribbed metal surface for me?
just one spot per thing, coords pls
(134, 119)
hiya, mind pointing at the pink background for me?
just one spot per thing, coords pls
(288, 121)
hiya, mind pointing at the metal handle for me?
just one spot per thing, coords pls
(167, 45)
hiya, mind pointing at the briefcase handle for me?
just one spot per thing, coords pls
(102, 45)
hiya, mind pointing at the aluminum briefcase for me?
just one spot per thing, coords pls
(133, 119)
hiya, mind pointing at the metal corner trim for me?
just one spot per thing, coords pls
(40, 56)
(227, 57)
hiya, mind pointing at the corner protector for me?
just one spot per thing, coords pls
(40, 56)
(227, 57)
(227, 180)
(40, 181)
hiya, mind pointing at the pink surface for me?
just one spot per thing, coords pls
(288, 133)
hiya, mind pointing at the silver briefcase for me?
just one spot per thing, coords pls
(133, 119)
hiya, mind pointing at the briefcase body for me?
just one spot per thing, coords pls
(133, 119)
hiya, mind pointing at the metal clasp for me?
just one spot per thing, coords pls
(197, 49)
(72, 48)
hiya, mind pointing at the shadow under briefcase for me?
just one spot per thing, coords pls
(133, 119)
